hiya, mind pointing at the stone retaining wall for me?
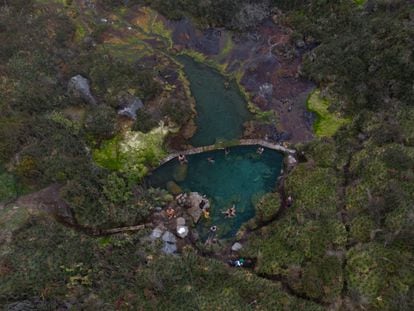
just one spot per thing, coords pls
(241, 142)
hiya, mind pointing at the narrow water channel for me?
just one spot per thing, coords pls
(221, 108)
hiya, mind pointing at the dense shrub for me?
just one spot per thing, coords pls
(100, 122)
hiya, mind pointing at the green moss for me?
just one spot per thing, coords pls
(228, 46)
(80, 32)
(359, 2)
(201, 58)
(327, 123)
(109, 154)
(133, 153)
(158, 28)
(260, 115)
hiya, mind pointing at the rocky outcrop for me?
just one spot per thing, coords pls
(182, 229)
(156, 233)
(169, 237)
(236, 247)
(290, 161)
(195, 200)
(170, 245)
(78, 87)
(129, 105)
(48, 200)
(169, 248)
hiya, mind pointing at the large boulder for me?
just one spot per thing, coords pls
(180, 221)
(169, 248)
(236, 247)
(78, 87)
(129, 105)
(156, 233)
(182, 231)
(169, 243)
(168, 237)
(194, 200)
(291, 161)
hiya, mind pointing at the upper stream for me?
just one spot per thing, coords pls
(221, 108)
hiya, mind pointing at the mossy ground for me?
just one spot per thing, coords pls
(327, 123)
(133, 153)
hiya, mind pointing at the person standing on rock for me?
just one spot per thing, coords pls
(182, 159)
(289, 201)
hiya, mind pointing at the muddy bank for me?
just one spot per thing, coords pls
(266, 65)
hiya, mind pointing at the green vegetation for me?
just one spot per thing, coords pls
(61, 263)
(7, 186)
(327, 123)
(268, 206)
(133, 152)
(346, 241)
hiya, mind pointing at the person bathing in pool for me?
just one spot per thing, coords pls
(230, 212)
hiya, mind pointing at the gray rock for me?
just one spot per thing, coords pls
(300, 44)
(24, 305)
(180, 221)
(129, 105)
(182, 199)
(78, 87)
(156, 234)
(169, 237)
(291, 161)
(169, 248)
(266, 90)
(182, 231)
(195, 211)
(236, 247)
